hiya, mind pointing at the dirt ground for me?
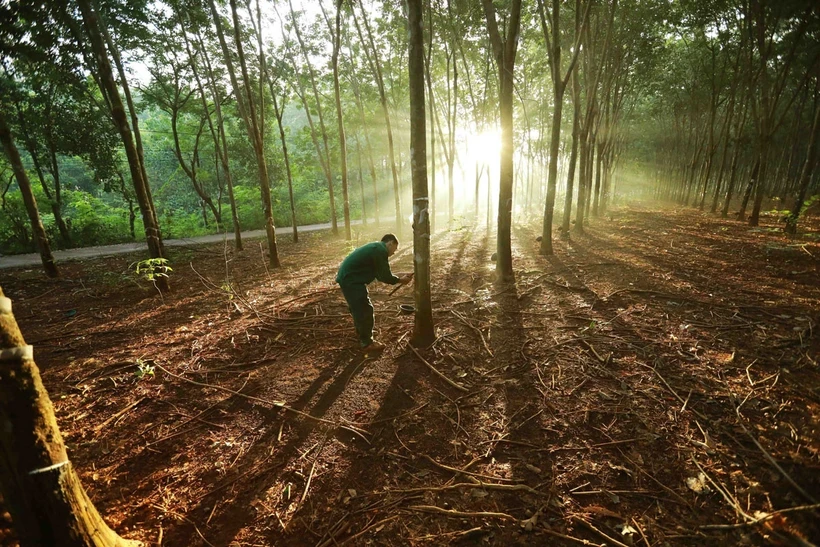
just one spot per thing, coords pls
(656, 382)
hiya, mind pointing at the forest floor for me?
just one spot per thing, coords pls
(656, 382)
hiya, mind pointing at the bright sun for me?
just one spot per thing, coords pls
(484, 146)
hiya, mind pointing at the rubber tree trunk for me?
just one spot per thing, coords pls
(40, 487)
(573, 155)
(106, 77)
(337, 92)
(40, 238)
(377, 72)
(132, 110)
(279, 112)
(423, 331)
(218, 132)
(805, 175)
(504, 51)
(319, 112)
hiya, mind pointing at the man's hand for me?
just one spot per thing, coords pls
(405, 279)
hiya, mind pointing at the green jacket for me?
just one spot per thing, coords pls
(365, 264)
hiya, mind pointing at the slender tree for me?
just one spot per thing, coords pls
(106, 77)
(552, 37)
(423, 331)
(805, 175)
(504, 52)
(375, 66)
(337, 93)
(40, 237)
(320, 114)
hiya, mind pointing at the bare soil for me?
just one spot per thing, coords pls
(655, 382)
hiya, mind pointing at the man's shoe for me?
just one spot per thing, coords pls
(375, 345)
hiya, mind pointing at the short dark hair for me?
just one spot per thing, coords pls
(387, 238)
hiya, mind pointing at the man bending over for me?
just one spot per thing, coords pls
(360, 268)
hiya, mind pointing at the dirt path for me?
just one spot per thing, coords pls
(598, 399)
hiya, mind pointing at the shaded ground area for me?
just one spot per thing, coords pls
(655, 382)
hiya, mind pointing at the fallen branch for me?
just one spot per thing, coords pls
(461, 471)
(600, 533)
(479, 485)
(310, 475)
(454, 513)
(760, 520)
(436, 371)
(480, 334)
(118, 415)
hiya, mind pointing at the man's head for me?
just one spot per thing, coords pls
(391, 242)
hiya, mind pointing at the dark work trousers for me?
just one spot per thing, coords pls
(361, 308)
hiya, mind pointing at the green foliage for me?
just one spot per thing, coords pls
(153, 268)
(93, 221)
(144, 370)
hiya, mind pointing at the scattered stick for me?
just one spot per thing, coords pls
(480, 334)
(436, 371)
(118, 415)
(659, 483)
(724, 492)
(367, 529)
(675, 393)
(768, 456)
(479, 485)
(564, 536)
(454, 513)
(640, 531)
(186, 519)
(310, 475)
(760, 520)
(461, 471)
(600, 532)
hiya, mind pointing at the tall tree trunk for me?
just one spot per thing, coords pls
(805, 175)
(361, 179)
(453, 117)
(320, 113)
(106, 77)
(504, 51)
(132, 110)
(257, 137)
(57, 202)
(552, 37)
(431, 101)
(741, 214)
(220, 147)
(37, 229)
(40, 487)
(377, 71)
(279, 112)
(423, 331)
(337, 43)
(573, 155)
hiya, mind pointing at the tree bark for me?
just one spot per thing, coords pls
(423, 330)
(106, 77)
(218, 133)
(40, 487)
(337, 43)
(326, 150)
(132, 110)
(805, 175)
(504, 51)
(257, 137)
(377, 72)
